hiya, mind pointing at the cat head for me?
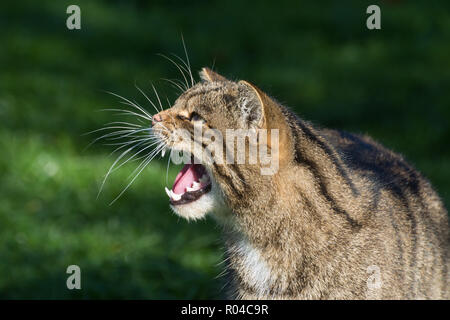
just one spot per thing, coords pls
(231, 136)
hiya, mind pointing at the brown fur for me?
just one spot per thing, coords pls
(338, 204)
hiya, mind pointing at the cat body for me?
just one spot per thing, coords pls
(342, 217)
(345, 208)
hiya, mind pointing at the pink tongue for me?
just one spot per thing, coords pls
(187, 175)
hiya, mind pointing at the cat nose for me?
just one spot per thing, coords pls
(156, 118)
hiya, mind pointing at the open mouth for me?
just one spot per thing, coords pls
(190, 184)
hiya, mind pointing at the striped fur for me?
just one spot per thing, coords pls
(339, 204)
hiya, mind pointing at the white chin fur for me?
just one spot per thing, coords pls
(199, 208)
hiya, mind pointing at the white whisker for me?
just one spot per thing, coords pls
(180, 68)
(107, 136)
(130, 142)
(128, 134)
(149, 100)
(152, 153)
(138, 140)
(128, 112)
(174, 84)
(168, 165)
(146, 162)
(134, 155)
(187, 59)
(157, 96)
(110, 169)
(132, 104)
(126, 144)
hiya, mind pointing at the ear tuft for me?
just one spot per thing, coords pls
(251, 104)
(207, 74)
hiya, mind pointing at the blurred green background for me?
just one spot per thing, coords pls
(316, 57)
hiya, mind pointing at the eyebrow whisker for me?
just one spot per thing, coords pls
(174, 84)
(180, 68)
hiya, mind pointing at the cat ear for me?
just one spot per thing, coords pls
(252, 104)
(207, 74)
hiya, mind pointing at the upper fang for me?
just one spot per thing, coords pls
(175, 196)
(168, 192)
(172, 195)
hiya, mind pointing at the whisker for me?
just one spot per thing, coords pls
(141, 157)
(187, 59)
(168, 165)
(107, 135)
(127, 112)
(146, 162)
(123, 122)
(164, 128)
(151, 102)
(138, 140)
(155, 151)
(110, 169)
(146, 116)
(131, 104)
(174, 84)
(180, 68)
(134, 155)
(116, 123)
(131, 142)
(127, 134)
(107, 128)
(125, 144)
(157, 96)
(186, 68)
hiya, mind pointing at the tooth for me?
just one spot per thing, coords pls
(195, 185)
(168, 192)
(175, 196)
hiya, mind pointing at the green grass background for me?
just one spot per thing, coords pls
(316, 57)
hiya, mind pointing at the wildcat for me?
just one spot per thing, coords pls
(342, 218)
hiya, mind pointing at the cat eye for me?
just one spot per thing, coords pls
(194, 116)
(181, 117)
